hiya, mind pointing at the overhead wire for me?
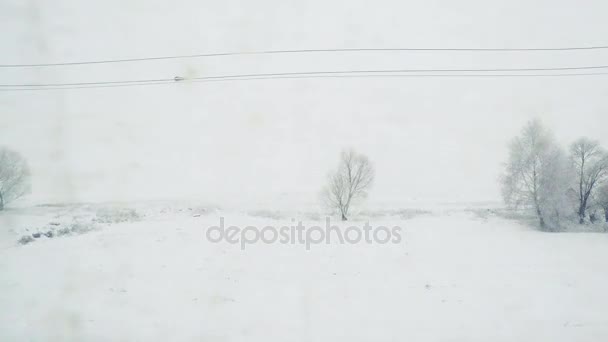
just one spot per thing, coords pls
(301, 51)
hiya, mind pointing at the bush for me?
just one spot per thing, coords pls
(25, 239)
(79, 228)
(116, 215)
(62, 231)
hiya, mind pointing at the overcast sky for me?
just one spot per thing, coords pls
(273, 140)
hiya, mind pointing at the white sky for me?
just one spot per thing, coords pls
(430, 139)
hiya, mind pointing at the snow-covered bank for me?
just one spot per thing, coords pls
(455, 276)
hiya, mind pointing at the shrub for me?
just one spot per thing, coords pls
(63, 231)
(116, 215)
(25, 239)
(80, 227)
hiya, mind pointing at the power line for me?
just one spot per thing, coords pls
(88, 83)
(267, 52)
(177, 78)
(84, 87)
(308, 76)
(406, 71)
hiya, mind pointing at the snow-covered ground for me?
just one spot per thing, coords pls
(456, 276)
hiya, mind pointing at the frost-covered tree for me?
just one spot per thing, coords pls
(14, 176)
(534, 175)
(554, 192)
(591, 163)
(602, 199)
(349, 183)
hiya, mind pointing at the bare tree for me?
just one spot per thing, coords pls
(14, 176)
(591, 163)
(531, 166)
(349, 183)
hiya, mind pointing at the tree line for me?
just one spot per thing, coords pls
(561, 186)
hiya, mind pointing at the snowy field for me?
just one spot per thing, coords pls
(456, 276)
